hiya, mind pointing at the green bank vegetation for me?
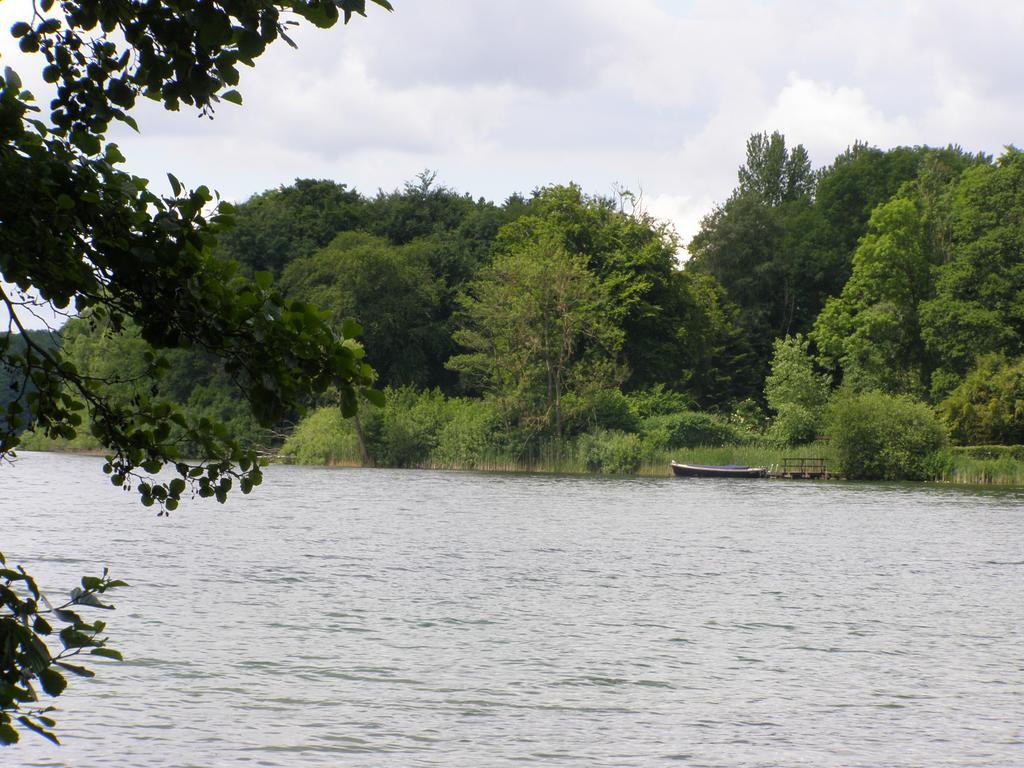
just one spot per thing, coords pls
(874, 302)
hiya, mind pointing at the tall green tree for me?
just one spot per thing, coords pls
(796, 392)
(762, 246)
(669, 320)
(978, 307)
(81, 232)
(535, 324)
(871, 332)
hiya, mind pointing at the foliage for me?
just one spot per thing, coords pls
(389, 290)
(977, 307)
(532, 321)
(11, 384)
(760, 246)
(274, 228)
(323, 437)
(610, 452)
(988, 407)
(878, 436)
(406, 430)
(871, 331)
(795, 391)
(470, 435)
(594, 404)
(79, 232)
(673, 327)
(657, 401)
(28, 625)
(689, 429)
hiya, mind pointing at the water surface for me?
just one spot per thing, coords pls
(407, 618)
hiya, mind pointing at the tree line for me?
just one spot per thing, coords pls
(561, 312)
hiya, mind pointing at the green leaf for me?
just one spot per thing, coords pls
(113, 155)
(75, 669)
(108, 653)
(233, 96)
(52, 681)
(351, 329)
(91, 582)
(65, 202)
(7, 734)
(374, 397)
(263, 280)
(38, 729)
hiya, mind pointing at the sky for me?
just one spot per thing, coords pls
(656, 96)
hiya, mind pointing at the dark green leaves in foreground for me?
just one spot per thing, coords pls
(38, 642)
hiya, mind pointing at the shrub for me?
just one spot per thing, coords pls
(988, 407)
(657, 401)
(407, 428)
(470, 434)
(688, 429)
(877, 436)
(796, 424)
(795, 392)
(610, 452)
(598, 408)
(323, 437)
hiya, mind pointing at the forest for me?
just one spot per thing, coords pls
(871, 311)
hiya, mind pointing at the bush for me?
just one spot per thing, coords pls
(323, 437)
(795, 424)
(988, 407)
(610, 452)
(876, 436)
(795, 392)
(407, 428)
(470, 434)
(689, 429)
(657, 401)
(597, 408)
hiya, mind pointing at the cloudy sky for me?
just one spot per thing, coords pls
(653, 95)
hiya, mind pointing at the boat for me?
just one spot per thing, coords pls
(717, 470)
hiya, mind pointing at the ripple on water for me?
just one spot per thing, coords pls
(381, 618)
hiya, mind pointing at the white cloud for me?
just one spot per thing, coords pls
(827, 119)
(657, 94)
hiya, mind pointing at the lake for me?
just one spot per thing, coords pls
(415, 618)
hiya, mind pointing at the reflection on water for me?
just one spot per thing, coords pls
(404, 618)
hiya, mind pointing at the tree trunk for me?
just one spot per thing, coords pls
(364, 454)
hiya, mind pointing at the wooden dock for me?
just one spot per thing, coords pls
(801, 469)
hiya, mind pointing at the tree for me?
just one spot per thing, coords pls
(78, 231)
(774, 174)
(669, 320)
(871, 331)
(280, 225)
(762, 245)
(977, 307)
(988, 407)
(535, 321)
(389, 290)
(795, 391)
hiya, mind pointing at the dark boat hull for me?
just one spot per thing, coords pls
(700, 470)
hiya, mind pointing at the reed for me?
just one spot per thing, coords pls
(968, 470)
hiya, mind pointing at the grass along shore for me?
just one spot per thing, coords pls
(996, 465)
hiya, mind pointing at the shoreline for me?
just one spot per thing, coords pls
(1010, 476)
